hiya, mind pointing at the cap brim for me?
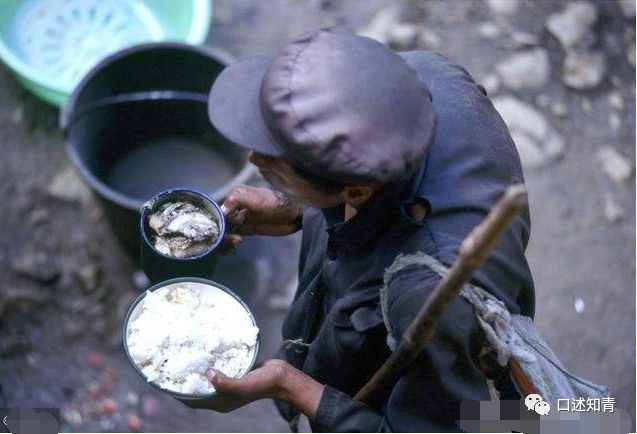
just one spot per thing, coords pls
(233, 105)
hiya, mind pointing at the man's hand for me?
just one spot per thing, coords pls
(273, 379)
(260, 211)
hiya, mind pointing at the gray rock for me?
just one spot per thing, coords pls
(18, 297)
(38, 216)
(537, 142)
(615, 100)
(521, 116)
(613, 211)
(132, 398)
(72, 416)
(381, 22)
(429, 39)
(554, 146)
(89, 275)
(386, 27)
(531, 154)
(617, 167)
(579, 305)
(491, 83)
(520, 40)
(573, 26)
(71, 328)
(140, 279)
(559, 109)
(584, 69)
(504, 7)
(488, 30)
(527, 69)
(37, 266)
(403, 35)
(587, 105)
(67, 187)
(614, 121)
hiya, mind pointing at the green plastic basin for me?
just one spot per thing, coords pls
(51, 44)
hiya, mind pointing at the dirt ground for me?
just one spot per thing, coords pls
(65, 282)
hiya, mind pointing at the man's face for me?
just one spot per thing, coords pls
(282, 177)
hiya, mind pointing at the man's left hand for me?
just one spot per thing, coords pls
(275, 379)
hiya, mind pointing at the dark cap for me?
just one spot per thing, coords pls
(340, 106)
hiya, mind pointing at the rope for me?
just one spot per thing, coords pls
(299, 345)
(492, 314)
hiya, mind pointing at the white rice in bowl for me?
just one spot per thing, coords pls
(179, 331)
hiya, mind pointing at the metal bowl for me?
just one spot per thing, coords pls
(192, 400)
(159, 267)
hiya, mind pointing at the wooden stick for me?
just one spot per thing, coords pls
(474, 251)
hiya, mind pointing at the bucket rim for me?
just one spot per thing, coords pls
(214, 53)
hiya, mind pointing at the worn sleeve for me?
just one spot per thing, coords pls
(338, 412)
(427, 398)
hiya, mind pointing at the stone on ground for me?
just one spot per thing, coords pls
(573, 25)
(527, 69)
(66, 186)
(504, 7)
(617, 167)
(537, 142)
(584, 69)
(613, 211)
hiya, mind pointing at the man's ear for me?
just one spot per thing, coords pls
(356, 195)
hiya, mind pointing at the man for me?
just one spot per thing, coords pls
(372, 154)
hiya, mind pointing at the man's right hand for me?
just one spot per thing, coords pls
(260, 211)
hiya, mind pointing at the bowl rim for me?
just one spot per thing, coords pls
(168, 282)
(199, 29)
(152, 202)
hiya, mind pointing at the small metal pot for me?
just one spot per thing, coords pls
(191, 400)
(159, 267)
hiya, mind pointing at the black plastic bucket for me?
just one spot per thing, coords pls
(137, 124)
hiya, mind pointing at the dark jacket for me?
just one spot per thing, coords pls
(336, 310)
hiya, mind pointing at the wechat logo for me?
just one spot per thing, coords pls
(536, 403)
